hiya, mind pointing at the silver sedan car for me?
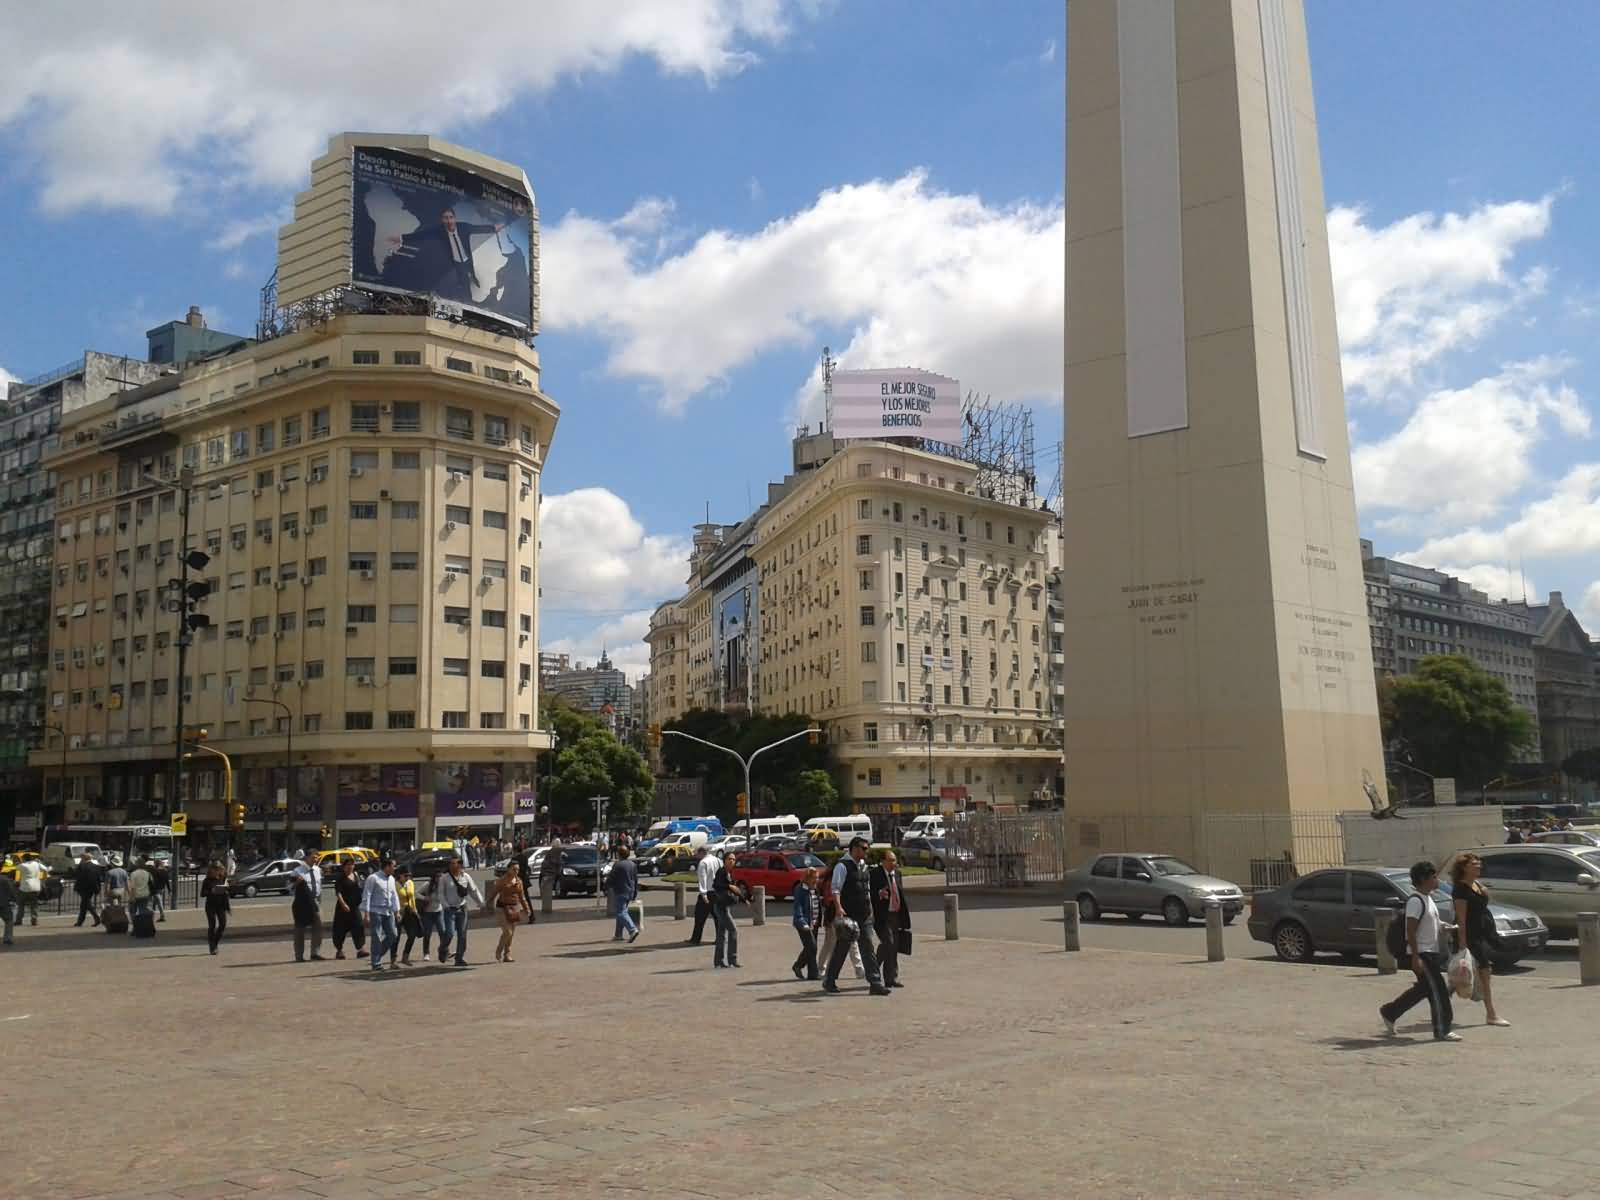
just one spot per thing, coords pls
(1136, 884)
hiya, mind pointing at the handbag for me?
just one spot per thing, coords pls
(902, 942)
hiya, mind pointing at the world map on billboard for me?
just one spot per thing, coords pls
(433, 229)
(899, 403)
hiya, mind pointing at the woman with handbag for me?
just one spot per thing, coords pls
(1475, 930)
(511, 903)
(346, 911)
(410, 920)
(214, 887)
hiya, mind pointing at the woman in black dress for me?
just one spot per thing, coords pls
(1475, 926)
(214, 887)
(347, 910)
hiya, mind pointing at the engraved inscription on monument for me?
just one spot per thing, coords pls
(1164, 607)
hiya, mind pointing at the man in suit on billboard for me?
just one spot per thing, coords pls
(444, 255)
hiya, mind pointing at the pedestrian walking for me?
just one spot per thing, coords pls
(1475, 929)
(117, 884)
(449, 898)
(305, 904)
(510, 905)
(623, 885)
(380, 912)
(891, 917)
(140, 884)
(828, 914)
(230, 864)
(30, 889)
(158, 887)
(855, 921)
(724, 895)
(805, 907)
(214, 890)
(706, 866)
(346, 909)
(405, 889)
(87, 880)
(1427, 959)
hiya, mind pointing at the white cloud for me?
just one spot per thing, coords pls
(233, 269)
(1048, 54)
(1410, 292)
(140, 106)
(596, 555)
(236, 233)
(1562, 525)
(622, 640)
(915, 275)
(1498, 581)
(1588, 610)
(6, 379)
(1464, 451)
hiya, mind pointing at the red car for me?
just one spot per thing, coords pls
(776, 870)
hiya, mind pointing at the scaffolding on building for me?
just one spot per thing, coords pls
(997, 439)
(275, 320)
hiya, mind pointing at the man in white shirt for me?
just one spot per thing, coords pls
(449, 899)
(30, 889)
(707, 865)
(305, 902)
(1427, 959)
(140, 885)
(380, 910)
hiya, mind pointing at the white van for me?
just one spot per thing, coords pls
(853, 826)
(929, 825)
(63, 856)
(756, 829)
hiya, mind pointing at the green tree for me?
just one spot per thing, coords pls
(1456, 719)
(1583, 764)
(812, 794)
(590, 762)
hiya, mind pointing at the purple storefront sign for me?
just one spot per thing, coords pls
(378, 793)
(467, 790)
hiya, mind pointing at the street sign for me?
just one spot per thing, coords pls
(1444, 791)
(283, 799)
(180, 824)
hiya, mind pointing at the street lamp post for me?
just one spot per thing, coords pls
(928, 725)
(744, 762)
(288, 776)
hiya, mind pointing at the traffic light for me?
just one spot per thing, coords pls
(744, 804)
(236, 816)
(654, 735)
(813, 732)
(325, 832)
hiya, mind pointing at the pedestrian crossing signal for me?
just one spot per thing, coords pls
(236, 816)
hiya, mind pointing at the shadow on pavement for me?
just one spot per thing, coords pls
(388, 976)
(1376, 1043)
(614, 951)
(766, 982)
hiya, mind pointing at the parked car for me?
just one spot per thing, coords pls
(919, 851)
(1566, 837)
(1135, 884)
(778, 872)
(1557, 882)
(273, 875)
(1336, 911)
(423, 864)
(580, 871)
(783, 841)
(727, 845)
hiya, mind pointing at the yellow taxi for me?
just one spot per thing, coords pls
(333, 860)
(438, 845)
(15, 859)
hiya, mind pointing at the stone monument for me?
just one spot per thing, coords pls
(1218, 652)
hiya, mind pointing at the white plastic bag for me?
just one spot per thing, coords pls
(1461, 974)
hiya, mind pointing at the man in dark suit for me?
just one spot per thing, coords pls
(889, 915)
(444, 255)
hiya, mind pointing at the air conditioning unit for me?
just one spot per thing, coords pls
(449, 526)
(278, 636)
(305, 581)
(349, 631)
(449, 579)
(384, 409)
(293, 531)
(522, 639)
(355, 472)
(267, 536)
(282, 583)
(319, 474)
(369, 574)
(121, 661)
(160, 558)
(277, 685)
(486, 580)
(122, 527)
(363, 680)
(384, 494)
(250, 637)
(300, 683)
(255, 493)
(103, 572)
(283, 487)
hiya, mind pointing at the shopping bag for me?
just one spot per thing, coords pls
(1460, 974)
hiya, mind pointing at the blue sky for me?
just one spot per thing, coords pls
(728, 185)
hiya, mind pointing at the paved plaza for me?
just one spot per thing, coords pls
(1005, 1068)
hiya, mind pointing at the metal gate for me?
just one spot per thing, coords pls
(1005, 849)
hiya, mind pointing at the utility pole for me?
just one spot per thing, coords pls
(811, 731)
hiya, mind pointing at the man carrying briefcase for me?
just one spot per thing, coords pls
(890, 917)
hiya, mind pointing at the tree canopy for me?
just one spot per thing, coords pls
(778, 772)
(1453, 718)
(591, 762)
(1583, 764)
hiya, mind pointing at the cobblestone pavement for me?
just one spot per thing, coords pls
(1005, 1069)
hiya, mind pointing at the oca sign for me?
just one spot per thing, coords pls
(377, 808)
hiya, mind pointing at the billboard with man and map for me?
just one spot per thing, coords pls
(421, 226)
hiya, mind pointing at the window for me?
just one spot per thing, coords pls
(493, 618)
(492, 668)
(1324, 888)
(235, 581)
(320, 426)
(458, 464)
(407, 358)
(869, 652)
(363, 560)
(493, 520)
(458, 514)
(239, 443)
(864, 509)
(361, 510)
(864, 543)
(458, 364)
(866, 581)
(361, 614)
(458, 421)
(405, 460)
(358, 720)
(1508, 866)
(286, 622)
(311, 723)
(358, 666)
(314, 669)
(291, 431)
(364, 358)
(316, 618)
(402, 720)
(455, 666)
(451, 719)
(869, 731)
(317, 517)
(402, 666)
(366, 460)
(235, 630)
(290, 524)
(495, 568)
(402, 614)
(1371, 891)
(525, 622)
(316, 566)
(403, 560)
(263, 478)
(874, 776)
(457, 564)
(404, 510)
(259, 626)
(494, 470)
(457, 615)
(492, 720)
(869, 615)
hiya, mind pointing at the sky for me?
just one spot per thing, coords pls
(728, 186)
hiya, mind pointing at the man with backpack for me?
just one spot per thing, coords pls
(1415, 939)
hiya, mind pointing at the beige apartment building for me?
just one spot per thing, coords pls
(367, 491)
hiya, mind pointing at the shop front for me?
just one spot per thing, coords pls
(468, 801)
(377, 806)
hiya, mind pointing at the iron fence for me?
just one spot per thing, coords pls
(1005, 849)
(1255, 850)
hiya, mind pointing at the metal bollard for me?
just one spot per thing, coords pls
(1069, 924)
(679, 909)
(952, 917)
(1214, 951)
(547, 895)
(1589, 948)
(758, 905)
(636, 911)
(1384, 918)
